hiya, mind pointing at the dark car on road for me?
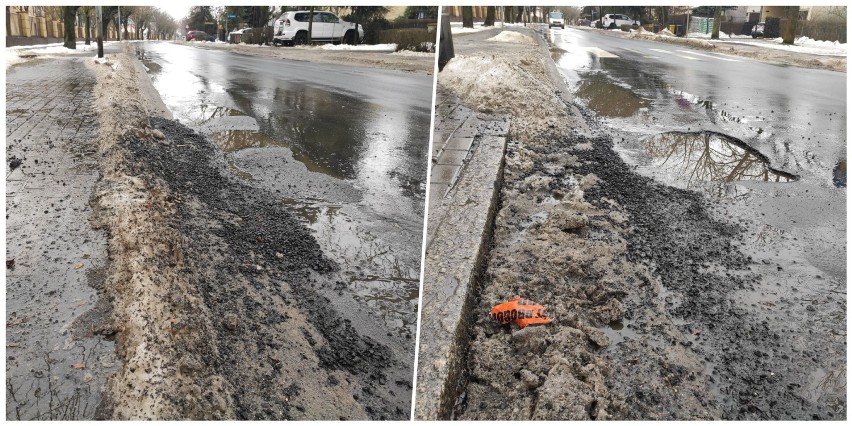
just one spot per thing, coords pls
(199, 36)
(758, 30)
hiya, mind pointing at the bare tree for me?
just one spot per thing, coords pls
(69, 20)
(310, 24)
(142, 15)
(86, 12)
(791, 26)
(490, 11)
(717, 22)
(467, 16)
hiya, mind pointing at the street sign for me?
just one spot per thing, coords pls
(232, 16)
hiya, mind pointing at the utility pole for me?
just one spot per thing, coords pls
(100, 32)
(119, 23)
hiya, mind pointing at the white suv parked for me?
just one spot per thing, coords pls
(615, 20)
(292, 28)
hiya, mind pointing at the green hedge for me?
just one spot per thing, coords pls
(416, 39)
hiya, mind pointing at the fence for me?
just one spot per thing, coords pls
(700, 25)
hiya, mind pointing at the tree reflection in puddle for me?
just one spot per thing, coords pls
(691, 158)
(839, 174)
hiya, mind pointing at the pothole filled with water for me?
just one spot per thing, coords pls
(608, 99)
(692, 159)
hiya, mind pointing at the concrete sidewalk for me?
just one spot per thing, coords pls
(57, 361)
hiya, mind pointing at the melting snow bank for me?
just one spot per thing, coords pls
(806, 53)
(512, 37)
(20, 54)
(390, 47)
(502, 85)
(801, 45)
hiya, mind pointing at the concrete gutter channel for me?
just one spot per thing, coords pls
(464, 195)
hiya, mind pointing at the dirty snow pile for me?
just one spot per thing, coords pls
(389, 47)
(512, 37)
(519, 86)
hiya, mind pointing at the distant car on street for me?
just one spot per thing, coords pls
(758, 30)
(555, 19)
(199, 36)
(582, 22)
(616, 20)
(292, 28)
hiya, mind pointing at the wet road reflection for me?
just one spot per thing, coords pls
(793, 116)
(366, 129)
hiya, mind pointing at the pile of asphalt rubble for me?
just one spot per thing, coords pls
(214, 290)
(640, 280)
(240, 245)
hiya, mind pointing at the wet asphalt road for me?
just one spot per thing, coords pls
(773, 108)
(345, 147)
(766, 146)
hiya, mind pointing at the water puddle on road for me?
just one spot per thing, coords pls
(153, 66)
(235, 140)
(716, 112)
(690, 159)
(608, 99)
(377, 277)
(839, 174)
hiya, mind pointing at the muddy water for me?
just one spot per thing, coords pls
(608, 99)
(348, 163)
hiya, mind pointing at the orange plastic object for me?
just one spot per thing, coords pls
(523, 312)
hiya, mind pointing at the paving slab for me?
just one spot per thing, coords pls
(58, 257)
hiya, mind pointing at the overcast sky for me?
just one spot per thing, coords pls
(178, 11)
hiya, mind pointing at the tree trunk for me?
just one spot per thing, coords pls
(311, 24)
(467, 16)
(489, 16)
(88, 29)
(791, 27)
(717, 23)
(70, 19)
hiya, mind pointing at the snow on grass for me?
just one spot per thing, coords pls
(512, 37)
(57, 48)
(19, 54)
(390, 47)
(413, 53)
(722, 35)
(456, 27)
(801, 45)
